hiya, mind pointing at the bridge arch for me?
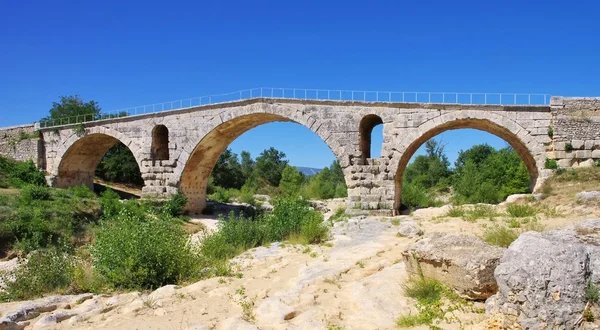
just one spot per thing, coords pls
(79, 155)
(204, 155)
(530, 151)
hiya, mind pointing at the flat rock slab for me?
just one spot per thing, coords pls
(462, 262)
(586, 196)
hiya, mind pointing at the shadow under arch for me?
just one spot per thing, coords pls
(78, 163)
(473, 123)
(199, 165)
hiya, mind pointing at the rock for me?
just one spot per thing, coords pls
(164, 292)
(463, 263)
(273, 311)
(409, 228)
(9, 325)
(542, 277)
(586, 196)
(516, 197)
(319, 206)
(235, 323)
(53, 319)
(586, 163)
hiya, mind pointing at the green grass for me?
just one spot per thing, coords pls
(500, 236)
(339, 214)
(521, 210)
(434, 303)
(473, 213)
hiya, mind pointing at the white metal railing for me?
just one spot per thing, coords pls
(315, 94)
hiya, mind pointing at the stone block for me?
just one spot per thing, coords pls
(586, 163)
(577, 144)
(596, 154)
(583, 154)
(565, 163)
(559, 146)
(589, 144)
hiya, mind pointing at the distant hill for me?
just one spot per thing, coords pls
(308, 171)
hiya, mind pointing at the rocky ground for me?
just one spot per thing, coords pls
(354, 281)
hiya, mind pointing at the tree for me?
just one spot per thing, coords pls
(227, 172)
(74, 108)
(270, 165)
(119, 165)
(291, 181)
(247, 164)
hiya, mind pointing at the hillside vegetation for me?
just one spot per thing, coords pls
(72, 241)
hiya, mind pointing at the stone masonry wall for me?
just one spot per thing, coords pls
(21, 143)
(576, 128)
(197, 136)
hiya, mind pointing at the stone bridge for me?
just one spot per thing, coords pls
(176, 150)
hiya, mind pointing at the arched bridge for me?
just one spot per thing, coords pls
(177, 149)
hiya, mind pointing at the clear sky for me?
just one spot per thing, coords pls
(131, 53)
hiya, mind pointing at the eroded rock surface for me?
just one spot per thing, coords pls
(464, 263)
(542, 277)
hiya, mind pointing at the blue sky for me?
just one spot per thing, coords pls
(139, 52)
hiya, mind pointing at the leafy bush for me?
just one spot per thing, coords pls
(110, 202)
(82, 192)
(45, 271)
(425, 290)
(521, 210)
(134, 250)
(291, 217)
(500, 236)
(174, 206)
(416, 196)
(220, 195)
(17, 174)
(30, 193)
(550, 164)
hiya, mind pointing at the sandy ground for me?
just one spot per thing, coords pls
(353, 282)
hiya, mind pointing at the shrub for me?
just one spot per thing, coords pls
(551, 164)
(220, 195)
(31, 193)
(500, 236)
(21, 173)
(174, 206)
(110, 202)
(521, 210)
(569, 147)
(82, 192)
(45, 271)
(291, 217)
(550, 132)
(134, 250)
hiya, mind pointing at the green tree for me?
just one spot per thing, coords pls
(72, 109)
(119, 165)
(291, 181)
(270, 165)
(227, 172)
(247, 164)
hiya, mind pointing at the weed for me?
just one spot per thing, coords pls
(499, 236)
(395, 222)
(569, 147)
(592, 293)
(550, 164)
(455, 212)
(521, 210)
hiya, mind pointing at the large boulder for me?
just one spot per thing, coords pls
(409, 228)
(462, 262)
(542, 277)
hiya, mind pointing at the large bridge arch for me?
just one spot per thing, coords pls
(529, 149)
(80, 154)
(204, 155)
